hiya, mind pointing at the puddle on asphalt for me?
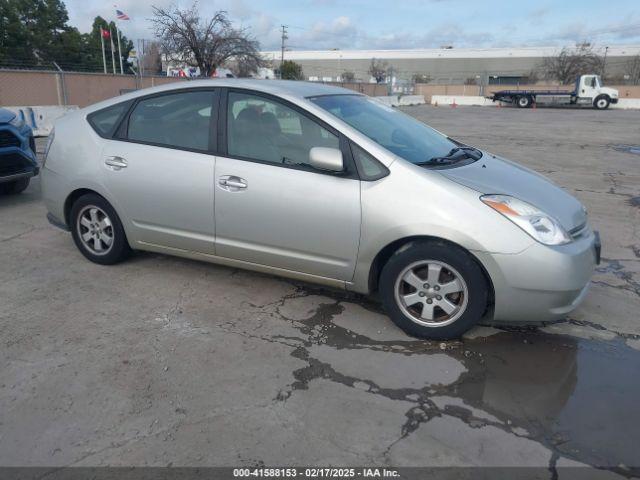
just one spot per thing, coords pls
(628, 148)
(577, 397)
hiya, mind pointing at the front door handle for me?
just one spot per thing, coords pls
(232, 183)
(115, 163)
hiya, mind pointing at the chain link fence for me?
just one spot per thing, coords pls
(31, 87)
(46, 87)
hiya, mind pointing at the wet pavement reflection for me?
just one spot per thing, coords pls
(577, 397)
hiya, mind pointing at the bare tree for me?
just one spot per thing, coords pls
(348, 76)
(151, 59)
(207, 43)
(571, 63)
(632, 68)
(378, 70)
(246, 65)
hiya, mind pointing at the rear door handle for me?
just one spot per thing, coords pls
(115, 163)
(232, 183)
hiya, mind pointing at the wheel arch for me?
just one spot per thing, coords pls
(387, 251)
(71, 199)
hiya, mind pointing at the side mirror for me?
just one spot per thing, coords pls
(324, 158)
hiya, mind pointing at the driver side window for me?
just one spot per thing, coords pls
(261, 129)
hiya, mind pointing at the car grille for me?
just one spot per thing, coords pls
(13, 164)
(8, 139)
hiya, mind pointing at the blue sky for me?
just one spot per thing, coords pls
(360, 24)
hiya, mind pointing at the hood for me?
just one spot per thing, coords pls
(6, 115)
(496, 175)
(612, 92)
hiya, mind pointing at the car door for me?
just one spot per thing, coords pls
(271, 207)
(160, 169)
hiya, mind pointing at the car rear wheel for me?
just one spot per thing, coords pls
(601, 102)
(17, 186)
(433, 290)
(97, 230)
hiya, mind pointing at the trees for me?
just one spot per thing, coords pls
(632, 68)
(187, 38)
(348, 76)
(246, 65)
(35, 33)
(290, 70)
(570, 63)
(420, 78)
(378, 70)
(93, 45)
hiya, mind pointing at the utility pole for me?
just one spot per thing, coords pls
(604, 62)
(284, 37)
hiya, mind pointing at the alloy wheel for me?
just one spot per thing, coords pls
(431, 293)
(95, 230)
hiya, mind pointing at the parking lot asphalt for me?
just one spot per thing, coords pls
(164, 361)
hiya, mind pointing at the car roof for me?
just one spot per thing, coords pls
(290, 89)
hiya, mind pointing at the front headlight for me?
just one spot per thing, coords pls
(542, 227)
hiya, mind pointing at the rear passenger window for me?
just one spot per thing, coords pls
(180, 120)
(104, 121)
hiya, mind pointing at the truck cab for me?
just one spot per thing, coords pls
(590, 91)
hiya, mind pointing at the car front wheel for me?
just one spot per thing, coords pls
(97, 230)
(601, 102)
(433, 290)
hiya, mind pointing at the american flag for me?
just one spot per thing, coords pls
(120, 15)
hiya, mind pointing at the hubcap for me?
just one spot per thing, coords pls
(602, 103)
(431, 293)
(95, 230)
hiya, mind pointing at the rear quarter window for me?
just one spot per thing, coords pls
(105, 121)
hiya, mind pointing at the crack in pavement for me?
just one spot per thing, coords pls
(319, 329)
(615, 268)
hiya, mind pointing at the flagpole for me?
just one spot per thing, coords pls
(104, 57)
(119, 49)
(113, 56)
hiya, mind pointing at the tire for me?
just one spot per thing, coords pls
(15, 187)
(97, 230)
(523, 102)
(423, 259)
(601, 102)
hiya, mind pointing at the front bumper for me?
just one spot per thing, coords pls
(541, 283)
(17, 158)
(614, 100)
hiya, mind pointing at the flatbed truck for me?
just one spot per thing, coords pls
(588, 91)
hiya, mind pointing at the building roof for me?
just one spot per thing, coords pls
(516, 52)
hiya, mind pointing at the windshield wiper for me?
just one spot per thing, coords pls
(455, 154)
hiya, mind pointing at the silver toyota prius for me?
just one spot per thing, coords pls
(324, 185)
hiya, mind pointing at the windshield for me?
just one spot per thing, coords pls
(395, 131)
